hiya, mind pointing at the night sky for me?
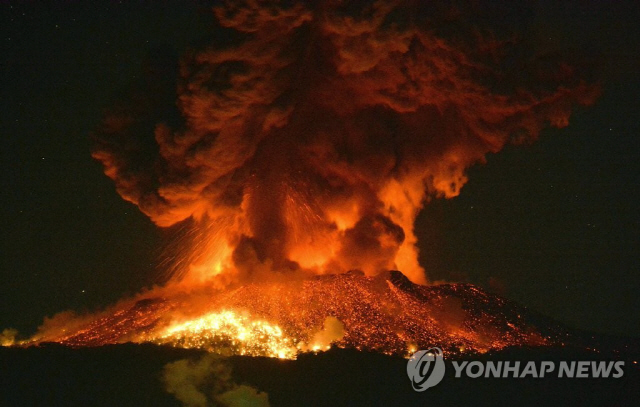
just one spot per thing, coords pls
(554, 225)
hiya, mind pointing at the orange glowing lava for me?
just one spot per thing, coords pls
(387, 314)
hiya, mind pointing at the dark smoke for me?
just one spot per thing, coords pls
(306, 125)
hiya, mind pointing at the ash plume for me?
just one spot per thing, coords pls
(308, 136)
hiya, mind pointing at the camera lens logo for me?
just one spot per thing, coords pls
(425, 368)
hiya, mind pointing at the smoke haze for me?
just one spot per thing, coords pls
(208, 382)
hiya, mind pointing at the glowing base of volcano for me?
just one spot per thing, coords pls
(228, 332)
(386, 314)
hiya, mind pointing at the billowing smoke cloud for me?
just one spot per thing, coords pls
(332, 331)
(310, 135)
(8, 337)
(207, 382)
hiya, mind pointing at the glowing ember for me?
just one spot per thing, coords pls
(228, 333)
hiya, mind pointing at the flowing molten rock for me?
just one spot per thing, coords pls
(387, 314)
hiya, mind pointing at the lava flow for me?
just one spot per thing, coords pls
(304, 142)
(387, 314)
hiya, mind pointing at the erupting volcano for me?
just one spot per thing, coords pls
(305, 140)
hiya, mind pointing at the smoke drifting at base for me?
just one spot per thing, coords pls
(208, 381)
(309, 136)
